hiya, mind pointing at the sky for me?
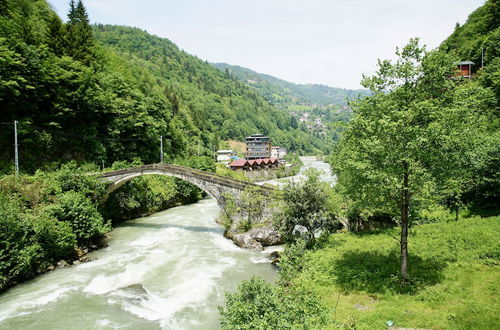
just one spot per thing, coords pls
(330, 42)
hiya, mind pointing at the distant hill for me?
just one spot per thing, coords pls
(285, 94)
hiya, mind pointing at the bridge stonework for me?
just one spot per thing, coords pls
(215, 185)
(225, 190)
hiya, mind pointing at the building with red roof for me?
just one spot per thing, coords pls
(240, 165)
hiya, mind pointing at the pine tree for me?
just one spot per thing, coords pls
(79, 34)
(55, 38)
(71, 14)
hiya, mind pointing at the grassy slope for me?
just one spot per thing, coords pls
(454, 268)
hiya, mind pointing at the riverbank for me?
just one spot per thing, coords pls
(169, 270)
(352, 281)
(53, 218)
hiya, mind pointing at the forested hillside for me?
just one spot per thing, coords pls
(480, 35)
(287, 95)
(106, 93)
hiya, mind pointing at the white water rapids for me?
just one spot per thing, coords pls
(166, 271)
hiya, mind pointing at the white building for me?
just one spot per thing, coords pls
(281, 154)
(275, 152)
(224, 156)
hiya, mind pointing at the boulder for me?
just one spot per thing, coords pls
(257, 237)
(62, 264)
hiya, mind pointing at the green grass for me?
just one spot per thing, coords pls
(454, 269)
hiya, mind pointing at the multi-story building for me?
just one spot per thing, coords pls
(258, 147)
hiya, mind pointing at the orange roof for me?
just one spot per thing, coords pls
(239, 163)
(274, 160)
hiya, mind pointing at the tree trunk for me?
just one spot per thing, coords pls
(405, 210)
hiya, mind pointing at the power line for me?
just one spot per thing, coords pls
(81, 136)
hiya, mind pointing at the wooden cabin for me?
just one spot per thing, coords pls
(465, 69)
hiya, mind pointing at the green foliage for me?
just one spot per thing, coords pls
(482, 30)
(412, 143)
(481, 35)
(206, 103)
(19, 250)
(86, 222)
(108, 93)
(57, 238)
(258, 304)
(223, 170)
(251, 205)
(45, 217)
(305, 212)
(292, 261)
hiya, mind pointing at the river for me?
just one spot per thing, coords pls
(166, 271)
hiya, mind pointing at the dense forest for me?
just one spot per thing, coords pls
(287, 95)
(106, 93)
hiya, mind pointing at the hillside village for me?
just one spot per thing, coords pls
(260, 154)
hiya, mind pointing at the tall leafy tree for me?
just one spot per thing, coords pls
(413, 140)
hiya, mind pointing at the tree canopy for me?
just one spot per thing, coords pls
(415, 140)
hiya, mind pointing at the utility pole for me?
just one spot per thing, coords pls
(16, 153)
(198, 147)
(482, 57)
(161, 149)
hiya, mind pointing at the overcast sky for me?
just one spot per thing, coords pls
(329, 42)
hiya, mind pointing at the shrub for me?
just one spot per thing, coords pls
(81, 214)
(19, 251)
(307, 210)
(258, 304)
(55, 237)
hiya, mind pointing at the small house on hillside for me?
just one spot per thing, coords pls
(465, 69)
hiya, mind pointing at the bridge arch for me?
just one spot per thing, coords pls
(213, 184)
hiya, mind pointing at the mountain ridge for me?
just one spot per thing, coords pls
(283, 93)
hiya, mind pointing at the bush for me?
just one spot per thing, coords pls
(81, 214)
(55, 237)
(307, 209)
(72, 177)
(19, 251)
(258, 304)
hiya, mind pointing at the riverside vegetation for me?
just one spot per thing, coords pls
(57, 215)
(421, 152)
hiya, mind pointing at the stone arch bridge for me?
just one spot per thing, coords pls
(215, 185)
